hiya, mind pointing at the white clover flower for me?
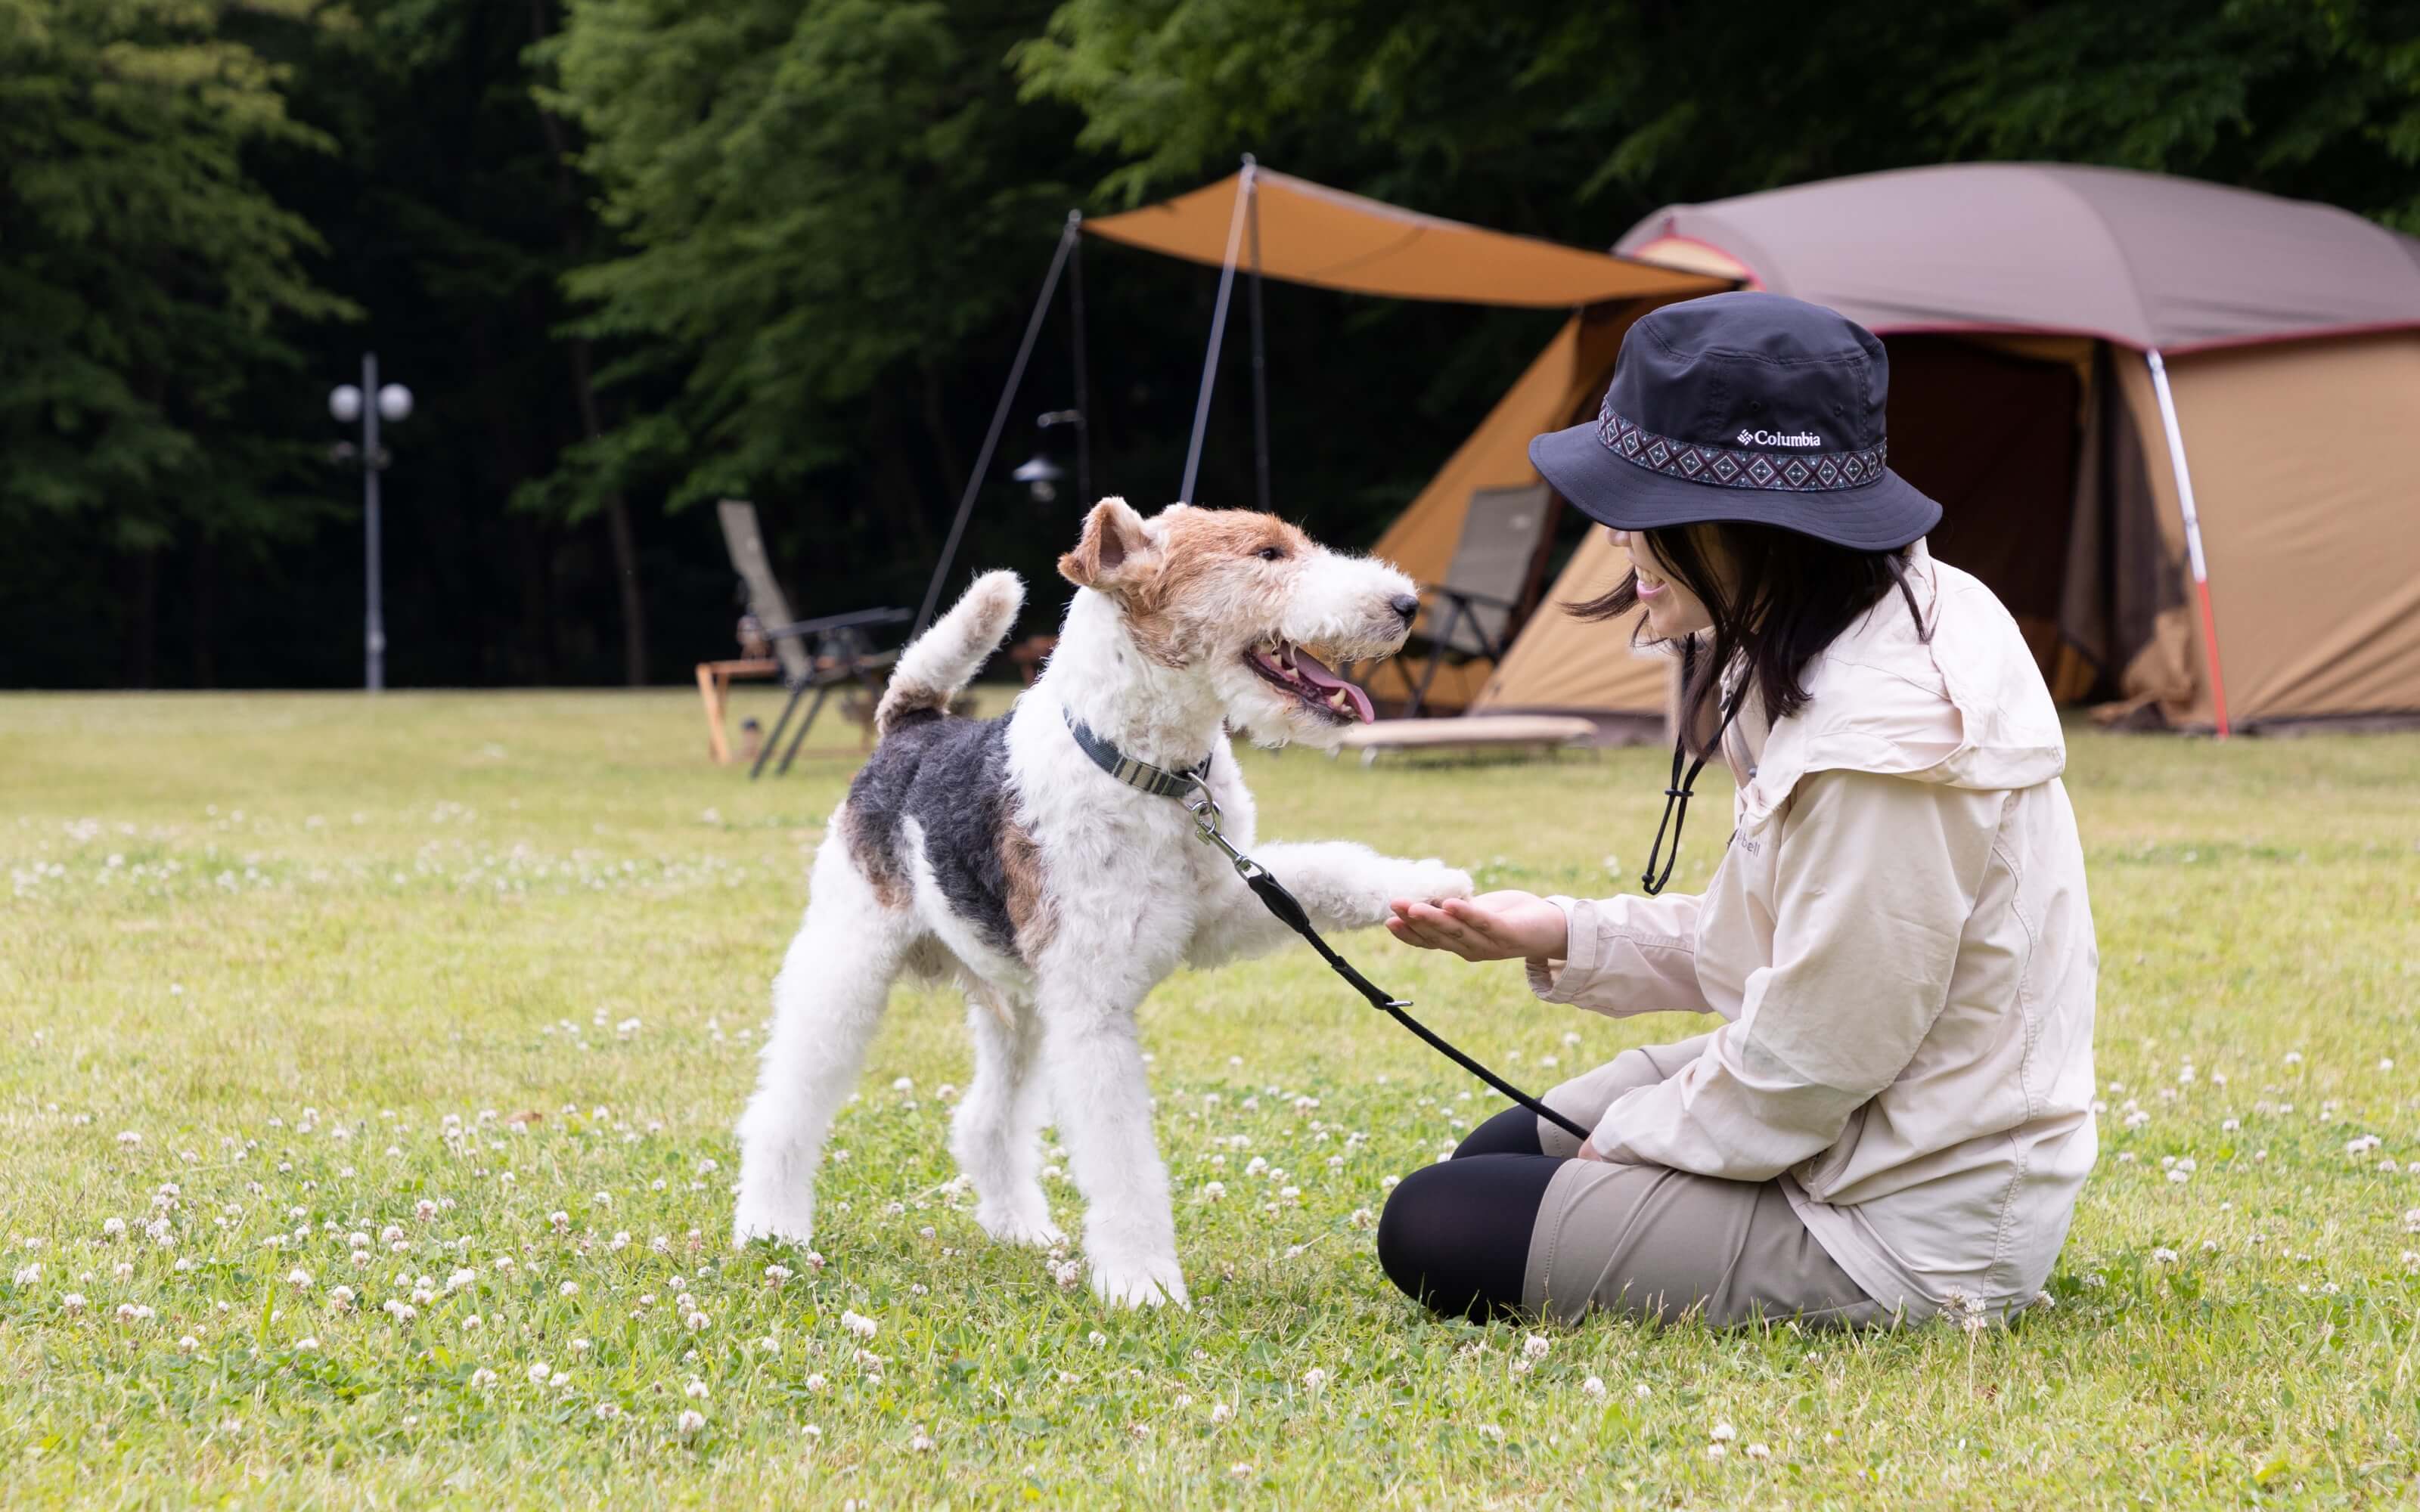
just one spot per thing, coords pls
(2412, 1221)
(609, 1410)
(1313, 1379)
(2178, 1177)
(1220, 1413)
(2163, 1255)
(1593, 1388)
(423, 1209)
(580, 1346)
(1213, 1191)
(690, 1422)
(1068, 1274)
(1723, 1433)
(298, 1279)
(482, 1377)
(341, 1297)
(1758, 1451)
(1717, 1451)
(72, 1301)
(858, 1324)
(112, 1228)
(129, 1136)
(922, 1442)
(539, 1372)
(570, 1288)
(2293, 1058)
(1642, 1391)
(1536, 1346)
(28, 1274)
(694, 1321)
(1097, 1338)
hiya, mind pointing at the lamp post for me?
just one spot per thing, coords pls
(368, 404)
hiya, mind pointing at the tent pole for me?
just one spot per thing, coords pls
(1218, 333)
(1260, 345)
(1083, 399)
(2192, 528)
(991, 438)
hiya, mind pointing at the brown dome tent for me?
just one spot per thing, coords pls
(2165, 421)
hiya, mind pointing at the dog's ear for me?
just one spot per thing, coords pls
(1115, 551)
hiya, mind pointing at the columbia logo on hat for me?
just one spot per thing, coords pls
(1768, 438)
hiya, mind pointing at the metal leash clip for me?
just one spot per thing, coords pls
(1207, 817)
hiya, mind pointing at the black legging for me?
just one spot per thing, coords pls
(1456, 1235)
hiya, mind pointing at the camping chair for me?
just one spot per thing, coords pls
(842, 654)
(812, 655)
(1469, 616)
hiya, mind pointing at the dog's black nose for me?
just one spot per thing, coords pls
(1405, 604)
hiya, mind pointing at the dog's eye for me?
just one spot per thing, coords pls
(1271, 553)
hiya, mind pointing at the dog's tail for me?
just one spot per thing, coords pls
(944, 658)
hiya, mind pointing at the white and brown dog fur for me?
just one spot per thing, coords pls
(998, 852)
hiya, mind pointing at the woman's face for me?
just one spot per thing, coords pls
(1673, 610)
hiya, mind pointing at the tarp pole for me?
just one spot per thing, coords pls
(1218, 332)
(1260, 348)
(991, 438)
(1083, 396)
(2192, 528)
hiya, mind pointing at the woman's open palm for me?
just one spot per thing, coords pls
(1493, 926)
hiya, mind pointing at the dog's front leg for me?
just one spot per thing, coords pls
(1343, 886)
(1103, 1107)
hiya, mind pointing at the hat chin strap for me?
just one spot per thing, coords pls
(1678, 788)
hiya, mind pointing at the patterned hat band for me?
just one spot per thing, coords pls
(1743, 466)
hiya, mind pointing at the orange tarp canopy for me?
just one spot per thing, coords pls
(1311, 233)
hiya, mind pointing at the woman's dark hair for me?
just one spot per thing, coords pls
(1791, 596)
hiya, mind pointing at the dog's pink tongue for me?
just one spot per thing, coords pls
(1315, 673)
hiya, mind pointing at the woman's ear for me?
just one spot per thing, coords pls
(1114, 551)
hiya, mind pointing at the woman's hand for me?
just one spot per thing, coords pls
(1493, 926)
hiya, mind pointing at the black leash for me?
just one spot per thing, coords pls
(1282, 903)
(1191, 787)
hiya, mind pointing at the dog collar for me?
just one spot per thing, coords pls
(1156, 780)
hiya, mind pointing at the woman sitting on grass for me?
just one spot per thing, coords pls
(1895, 1117)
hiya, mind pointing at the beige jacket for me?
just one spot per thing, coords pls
(1899, 939)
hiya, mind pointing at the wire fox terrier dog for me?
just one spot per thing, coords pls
(1007, 854)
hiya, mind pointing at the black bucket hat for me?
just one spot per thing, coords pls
(1742, 406)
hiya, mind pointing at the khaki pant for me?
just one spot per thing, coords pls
(1649, 1240)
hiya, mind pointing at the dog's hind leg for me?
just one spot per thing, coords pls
(826, 1003)
(996, 1132)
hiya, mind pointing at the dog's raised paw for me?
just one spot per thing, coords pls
(1148, 1285)
(1438, 881)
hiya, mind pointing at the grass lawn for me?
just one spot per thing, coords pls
(369, 1071)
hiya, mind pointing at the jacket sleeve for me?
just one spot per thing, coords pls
(1874, 881)
(1628, 955)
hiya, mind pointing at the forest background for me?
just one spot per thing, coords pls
(633, 255)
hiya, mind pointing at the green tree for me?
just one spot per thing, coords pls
(1578, 118)
(147, 277)
(819, 202)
